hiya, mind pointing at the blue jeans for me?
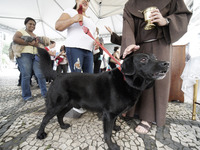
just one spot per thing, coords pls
(28, 62)
(80, 60)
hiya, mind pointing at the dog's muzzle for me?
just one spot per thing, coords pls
(163, 69)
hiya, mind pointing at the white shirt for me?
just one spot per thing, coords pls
(52, 50)
(75, 35)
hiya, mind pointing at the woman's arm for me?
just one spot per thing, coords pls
(65, 21)
(52, 53)
(17, 39)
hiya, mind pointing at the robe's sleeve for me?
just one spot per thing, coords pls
(116, 39)
(179, 17)
(128, 31)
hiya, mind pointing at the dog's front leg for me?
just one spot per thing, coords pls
(108, 124)
(41, 133)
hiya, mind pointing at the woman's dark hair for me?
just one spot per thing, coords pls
(52, 42)
(75, 6)
(28, 19)
(116, 48)
(63, 48)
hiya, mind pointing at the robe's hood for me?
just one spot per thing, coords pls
(135, 7)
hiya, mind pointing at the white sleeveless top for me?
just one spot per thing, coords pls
(75, 36)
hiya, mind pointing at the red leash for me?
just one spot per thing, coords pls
(87, 31)
(80, 11)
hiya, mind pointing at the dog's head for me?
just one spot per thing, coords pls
(28, 38)
(43, 41)
(141, 70)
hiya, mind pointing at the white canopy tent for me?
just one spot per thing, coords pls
(46, 12)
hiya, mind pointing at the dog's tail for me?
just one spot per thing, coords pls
(45, 64)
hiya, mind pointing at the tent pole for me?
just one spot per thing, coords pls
(59, 5)
(40, 17)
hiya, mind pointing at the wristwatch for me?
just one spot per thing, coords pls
(167, 21)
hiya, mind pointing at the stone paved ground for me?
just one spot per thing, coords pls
(19, 123)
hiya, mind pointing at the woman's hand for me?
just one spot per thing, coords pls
(109, 29)
(130, 49)
(77, 18)
(156, 17)
(33, 43)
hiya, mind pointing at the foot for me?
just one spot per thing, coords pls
(65, 126)
(73, 114)
(42, 135)
(30, 99)
(80, 110)
(143, 127)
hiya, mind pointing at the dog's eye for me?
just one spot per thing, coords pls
(143, 60)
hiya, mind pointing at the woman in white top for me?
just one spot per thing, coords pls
(79, 46)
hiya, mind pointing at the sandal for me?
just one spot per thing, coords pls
(145, 127)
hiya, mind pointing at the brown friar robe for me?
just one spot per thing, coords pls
(152, 105)
(116, 39)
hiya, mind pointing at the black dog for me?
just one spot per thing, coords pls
(111, 92)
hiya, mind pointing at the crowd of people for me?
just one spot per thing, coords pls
(80, 53)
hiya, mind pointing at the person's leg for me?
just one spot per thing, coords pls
(40, 77)
(64, 68)
(59, 69)
(52, 63)
(98, 65)
(75, 59)
(20, 79)
(25, 63)
(97, 62)
(88, 62)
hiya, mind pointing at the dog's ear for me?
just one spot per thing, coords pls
(128, 66)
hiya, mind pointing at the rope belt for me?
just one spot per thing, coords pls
(151, 40)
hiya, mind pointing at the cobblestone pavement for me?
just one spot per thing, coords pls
(19, 123)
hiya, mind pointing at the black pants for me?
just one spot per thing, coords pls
(97, 63)
(112, 65)
(61, 68)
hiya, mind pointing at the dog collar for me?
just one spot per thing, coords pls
(120, 69)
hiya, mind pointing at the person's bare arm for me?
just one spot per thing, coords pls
(109, 29)
(65, 21)
(117, 56)
(17, 39)
(52, 53)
